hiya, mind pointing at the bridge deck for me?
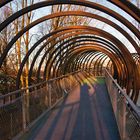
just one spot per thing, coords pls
(86, 114)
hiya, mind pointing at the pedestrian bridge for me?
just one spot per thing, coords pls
(86, 113)
(78, 80)
(80, 105)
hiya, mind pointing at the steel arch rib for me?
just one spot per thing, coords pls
(62, 14)
(75, 2)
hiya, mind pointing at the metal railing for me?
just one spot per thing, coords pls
(126, 112)
(19, 110)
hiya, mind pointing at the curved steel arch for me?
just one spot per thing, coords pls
(66, 62)
(79, 2)
(10, 44)
(67, 45)
(27, 55)
(106, 36)
(125, 5)
(89, 58)
(117, 67)
(86, 65)
(100, 69)
(57, 63)
(84, 59)
(128, 8)
(97, 61)
(2, 3)
(58, 53)
(94, 58)
(58, 46)
(114, 40)
(88, 50)
(24, 60)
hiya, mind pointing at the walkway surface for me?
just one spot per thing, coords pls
(86, 114)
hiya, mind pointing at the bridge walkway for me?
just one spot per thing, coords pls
(85, 114)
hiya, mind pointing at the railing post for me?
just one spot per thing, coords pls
(35, 88)
(124, 117)
(46, 97)
(64, 86)
(27, 106)
(24, 111)
(49, 95)
(115, 99)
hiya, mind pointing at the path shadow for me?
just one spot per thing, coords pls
(88, 118)
(84, 126)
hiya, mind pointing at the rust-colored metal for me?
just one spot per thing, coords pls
(4, 2)
(69, 44)
(83, 49)
(79, 2)
(128, 7)
(128, 69)
(75, 55)
(64, 14)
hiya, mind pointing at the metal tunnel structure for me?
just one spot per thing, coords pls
(82, 46)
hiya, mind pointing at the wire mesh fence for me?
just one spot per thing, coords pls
(19, 109)
(10, 119)
(126, 113)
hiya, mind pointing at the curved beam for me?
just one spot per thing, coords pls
(128, 7)
(58, 53)
(79, 2)
(10, 44)
(73, 56)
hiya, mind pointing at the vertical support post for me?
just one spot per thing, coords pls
(35, 90)
(24, 111)
(64, 86)
(109, 85)
(115, 100)
(124, 117)
(70, 82)
(50, 90)
(46, 97)
(41, 89)
(27, 106)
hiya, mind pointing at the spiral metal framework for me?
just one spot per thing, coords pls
(81, 47)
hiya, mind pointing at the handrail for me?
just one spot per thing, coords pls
(36, 85)
(129, 101)
(30, 105)
(26, 105)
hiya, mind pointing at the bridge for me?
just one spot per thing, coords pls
(87, 82)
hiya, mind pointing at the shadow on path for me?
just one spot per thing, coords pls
(84, 115)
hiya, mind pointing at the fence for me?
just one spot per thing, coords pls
(126, 112)
(20, 109)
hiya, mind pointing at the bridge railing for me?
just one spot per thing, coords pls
(126, 112)
(19, 110)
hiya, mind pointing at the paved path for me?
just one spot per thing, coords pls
(86, 114)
